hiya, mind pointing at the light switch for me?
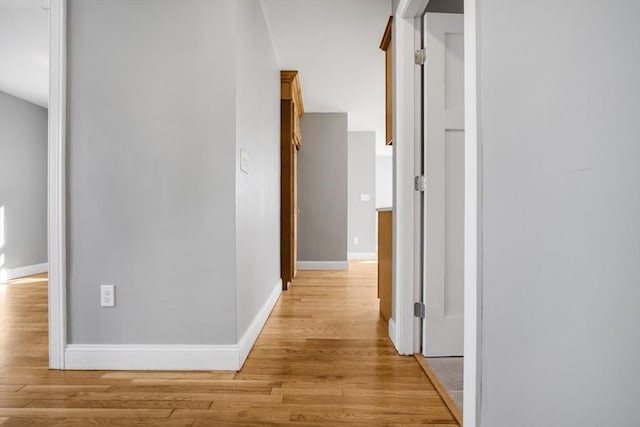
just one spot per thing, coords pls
(365, 197)
(244, 161)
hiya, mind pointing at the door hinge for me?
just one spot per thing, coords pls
(420, 56)
(419, 310)
(420, 183)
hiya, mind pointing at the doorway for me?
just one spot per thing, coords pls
(24, 179)
(405, 332)
(23, 138)
(443, 202)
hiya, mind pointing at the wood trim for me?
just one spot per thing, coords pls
(387, 47)
(291, 110)
(287, 225)
(453, 408)
(291, 89)
(388, 95)
(386, 37)
(385, 263)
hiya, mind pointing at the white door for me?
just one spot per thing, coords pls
(443, 327)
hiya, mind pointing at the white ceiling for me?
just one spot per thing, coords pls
(334, 46)
(333, 43)
(24, 49)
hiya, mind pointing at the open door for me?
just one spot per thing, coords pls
(443, 293)
(291, 109)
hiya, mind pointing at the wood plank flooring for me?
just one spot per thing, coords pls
(323, 359)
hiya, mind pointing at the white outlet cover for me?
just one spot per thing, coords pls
(107, 295)
(356, 240)
(244, 161)
(365, 197)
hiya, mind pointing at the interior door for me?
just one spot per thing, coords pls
(443, 326)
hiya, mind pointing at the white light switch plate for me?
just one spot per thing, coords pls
(365, 197)
(244, 161)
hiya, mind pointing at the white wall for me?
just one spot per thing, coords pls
(24, 49)
(558, 116)
(258, 192)
(384, 181)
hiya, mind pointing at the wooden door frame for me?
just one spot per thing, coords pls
(403, 327)
(291, 109)
(287, 175)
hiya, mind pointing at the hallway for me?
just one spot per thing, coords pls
(322, 359)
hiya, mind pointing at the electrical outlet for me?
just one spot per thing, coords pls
(356, 240)
(107, 295)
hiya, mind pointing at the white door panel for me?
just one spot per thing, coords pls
(443, 330)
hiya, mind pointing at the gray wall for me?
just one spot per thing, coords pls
(361, 173)
(151, 167)
(446, 6)
(322, 188)
(559, 103)
(258, 192)
(23, 181)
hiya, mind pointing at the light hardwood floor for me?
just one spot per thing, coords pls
(323, 359)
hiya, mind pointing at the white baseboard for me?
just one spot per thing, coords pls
(323, 265)
(28, 270)
(245, 344)
(151, 357)
(393, 332)
(229, 357)
(362, 255)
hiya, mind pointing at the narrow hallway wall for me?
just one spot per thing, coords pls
(23, 185)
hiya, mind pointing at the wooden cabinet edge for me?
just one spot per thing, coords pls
(387, 47)
(386, 37)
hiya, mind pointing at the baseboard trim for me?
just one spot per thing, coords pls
(393, 332)
(245, 344)
(229, 357)
(323, 265)
(28, 270)
(362, 255)
(151, 357)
